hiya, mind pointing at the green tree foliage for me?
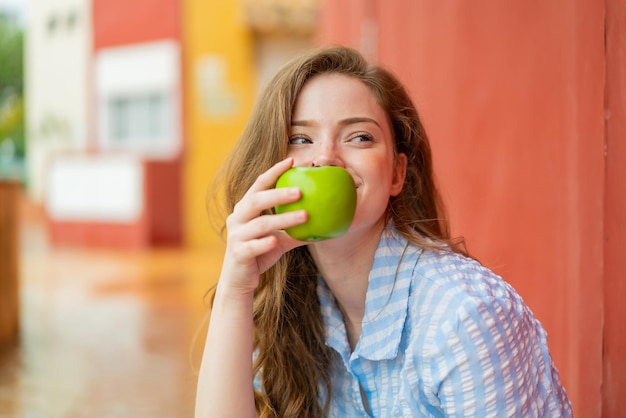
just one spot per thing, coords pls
(12, 84)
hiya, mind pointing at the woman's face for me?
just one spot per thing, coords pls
(337, 121)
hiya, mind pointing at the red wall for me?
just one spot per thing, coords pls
(513, 97)
(163, 202)
(615, 213)
(119, 22)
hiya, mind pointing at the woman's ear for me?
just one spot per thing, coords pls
(399, 173)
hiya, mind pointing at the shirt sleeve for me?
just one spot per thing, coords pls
(492, 360)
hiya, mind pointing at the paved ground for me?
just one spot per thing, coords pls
(105, 334)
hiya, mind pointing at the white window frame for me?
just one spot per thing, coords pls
(133, 72)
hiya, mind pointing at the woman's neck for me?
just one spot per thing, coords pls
(345, 264)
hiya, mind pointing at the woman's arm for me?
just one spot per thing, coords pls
(254, 243)
(225, 379)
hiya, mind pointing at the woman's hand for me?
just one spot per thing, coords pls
(255, 241)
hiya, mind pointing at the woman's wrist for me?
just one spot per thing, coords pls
(233, 295)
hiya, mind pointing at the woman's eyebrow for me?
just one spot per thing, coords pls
(351, 121)
(347, 121)
(302, 123)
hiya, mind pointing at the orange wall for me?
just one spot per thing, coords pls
(512, 94)
(215, 115)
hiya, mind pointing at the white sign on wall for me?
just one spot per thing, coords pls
(95, 188)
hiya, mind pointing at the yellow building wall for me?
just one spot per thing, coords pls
(219, 90)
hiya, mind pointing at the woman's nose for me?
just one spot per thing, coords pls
(327, 154)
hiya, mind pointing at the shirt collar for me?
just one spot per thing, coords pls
(386, 302)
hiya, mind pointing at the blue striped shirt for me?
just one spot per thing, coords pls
(441, 336)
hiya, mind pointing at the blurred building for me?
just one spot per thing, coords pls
(57, 82)
(231, 48)
(133, 106)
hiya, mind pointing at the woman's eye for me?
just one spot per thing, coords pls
(299, 140)
(362, 138)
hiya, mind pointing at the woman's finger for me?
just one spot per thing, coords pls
(265, 225)
(254, 204)
(252, 249)
(268, 178)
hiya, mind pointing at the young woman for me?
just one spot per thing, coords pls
(392, 319)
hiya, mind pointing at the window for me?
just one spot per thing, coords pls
(139, 121)
(138, 91)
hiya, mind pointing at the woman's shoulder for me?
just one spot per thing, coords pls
(450, 272)
(447, 287)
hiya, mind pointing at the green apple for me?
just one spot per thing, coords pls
(329, 197)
